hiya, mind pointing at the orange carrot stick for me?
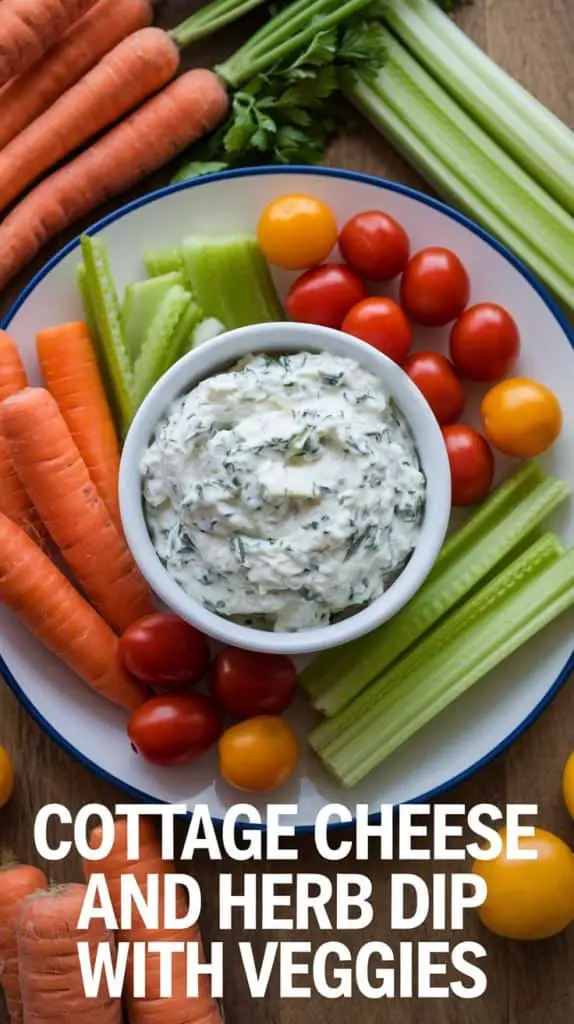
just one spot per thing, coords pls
(14, 501)
(28, 28)
(57, 480)
(70, 369)
(47, 938)
(16, 883)
(134, 70)
(163, 127)
(51, 608)
(179, 1008)
(84, 44)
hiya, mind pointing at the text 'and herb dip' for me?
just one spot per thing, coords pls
(284, 492)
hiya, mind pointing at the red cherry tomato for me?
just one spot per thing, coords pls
(324, 295)
(471, 464)
(175, 728)
(247, 684)
(374, 245)
(484, 342)
(434, 287)
(435, 376)
(381, 323)
(164, 651)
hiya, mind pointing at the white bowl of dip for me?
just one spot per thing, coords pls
(219, 356)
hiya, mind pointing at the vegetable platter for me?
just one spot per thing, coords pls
(486, 718)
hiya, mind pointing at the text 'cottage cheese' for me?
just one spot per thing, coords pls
(284, 491)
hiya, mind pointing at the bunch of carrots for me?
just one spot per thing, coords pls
(59, 461)
(39, 965)
(69, 69)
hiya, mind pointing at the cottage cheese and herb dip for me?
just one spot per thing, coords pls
(284, 492)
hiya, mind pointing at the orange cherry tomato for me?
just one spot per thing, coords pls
(568, 785)
(521, 417)
(259, 754)
(6, 777)
(529, 899)
(297, 231)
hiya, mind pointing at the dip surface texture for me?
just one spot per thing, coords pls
(285, 491)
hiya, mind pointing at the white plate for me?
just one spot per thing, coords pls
(475, 728)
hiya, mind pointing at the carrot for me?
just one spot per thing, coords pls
(163, 127)
(52, 609)
(179, 1008)
(47, 937)
(84, 44)
(135, 69)
(70, 369)
(14, 501)
(28, 28)
(57, 480)
(17, 881)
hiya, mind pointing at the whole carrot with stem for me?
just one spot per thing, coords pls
(50, 607)
(70, 369)
(28, 28)
(17, 881)
(158, 131)
(47, 938)
(84, 44)
(56, 477)
(134, 70)
(179, 1008)
(14, 501)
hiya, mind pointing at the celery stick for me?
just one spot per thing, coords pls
(530, 133)
(184, 339)
(319, 676)
(351, 668)
(159, 347)
(163, 261)
(231, 280)
(536, 557)
(141, 303)
(110, 336)
(467, 166)
(405, 707)
(207, 330)
(87, 303)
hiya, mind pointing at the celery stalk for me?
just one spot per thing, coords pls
(159, 347)
(110, 335)
(466, 166)
(185, 334)
(163, 261)
(528, 564)
(231, 280)
(337, 676)
(530, 133)
(87, 302)
(141, 303)
(448, 672)
(318, 678)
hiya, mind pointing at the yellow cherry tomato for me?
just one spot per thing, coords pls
(521, 417)
(529, 899)
(259, 754)
(6, 777)
(568, 784)
(296, 232)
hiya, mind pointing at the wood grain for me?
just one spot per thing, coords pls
(527, 984)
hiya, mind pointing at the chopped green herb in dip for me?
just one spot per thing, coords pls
(286, 491)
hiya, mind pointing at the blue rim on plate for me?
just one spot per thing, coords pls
(366, 179)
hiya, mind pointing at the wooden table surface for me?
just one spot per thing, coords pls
(528, 984)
